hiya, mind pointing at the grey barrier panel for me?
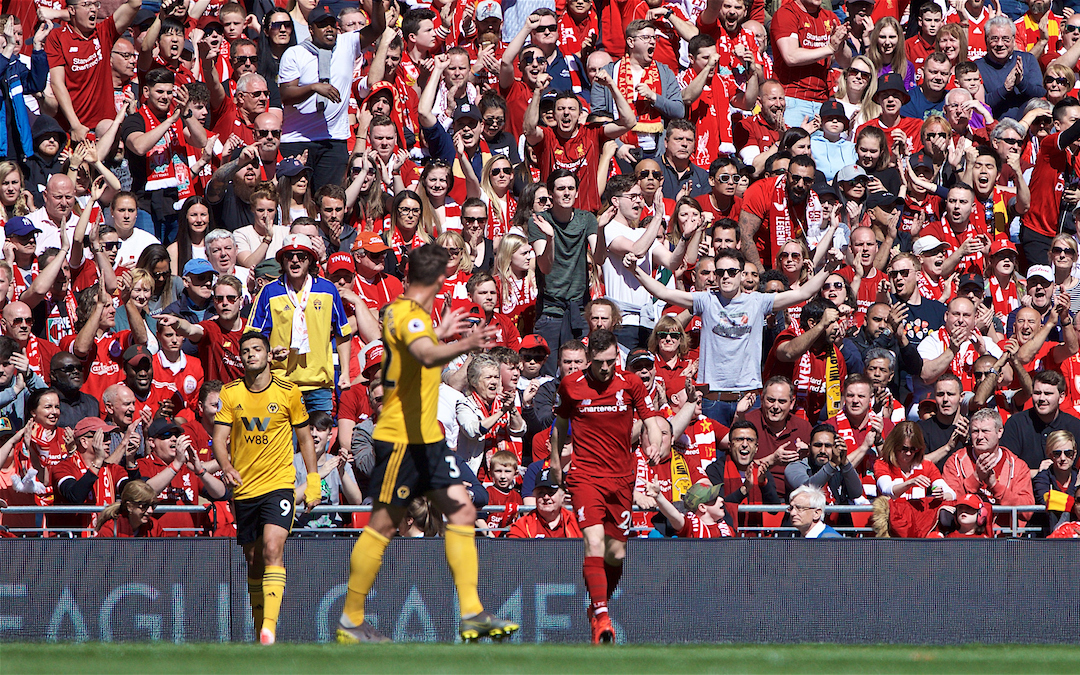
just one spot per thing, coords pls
(760, 590)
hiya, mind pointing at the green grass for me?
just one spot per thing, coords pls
(398, 659)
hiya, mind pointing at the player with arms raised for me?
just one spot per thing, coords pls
(601, 403)
(253, 444)
(411, 455)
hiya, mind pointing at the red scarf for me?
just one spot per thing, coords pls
(160, 164)
(783, 226)
(498, 436)
(50, 444)
(33, 355)
(499, 223)
(929, 289)
(1004, 298)
(104, 488)
(963, 362)
(648, 118)
(733, 480)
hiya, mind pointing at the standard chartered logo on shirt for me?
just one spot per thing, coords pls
(732, 325)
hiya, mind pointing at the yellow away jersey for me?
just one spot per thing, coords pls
(261, 442)
(410, 391)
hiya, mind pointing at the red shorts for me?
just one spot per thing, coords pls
(603, 501)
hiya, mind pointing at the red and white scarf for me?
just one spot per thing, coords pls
(498, 436)
(104, 487)
(1004, 297)
(962, 364)
(499, 219)
(160, 160)
(784, 227)
(648, 117)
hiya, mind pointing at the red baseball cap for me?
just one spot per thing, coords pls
(340, 262)
(469, 307)
(1000, 245)
(534, 341)
(373, 357)
(370, 242)
(970, 501)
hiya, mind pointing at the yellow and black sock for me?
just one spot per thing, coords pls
(273, 586)
(461, 556)
(255, 592)
(364, 564)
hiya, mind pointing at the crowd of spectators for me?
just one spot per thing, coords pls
(838, 246)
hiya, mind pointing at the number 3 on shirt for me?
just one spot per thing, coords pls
(455, 472)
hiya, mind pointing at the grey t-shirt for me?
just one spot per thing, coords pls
(731, 339)
(569, 278)
(331, 494)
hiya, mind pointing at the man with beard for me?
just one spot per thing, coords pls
(826, 467)
(315, 78)
(757, 137)
(230, 189)
(66, 376)
(811, 359)
(883, 329)
(80, 74)
(779, 209)
(303, 345)
(570, 145)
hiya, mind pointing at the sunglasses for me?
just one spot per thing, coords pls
(1059, 453)
(142, 505)
(980, 374)
(530, 59)
(726, 177)
(899, 273)
(226, 298)
(855, 72)
(726, 272)
(1069, 28)
(543, 200)
(68, 369)
(160, 275)
(836, 285)
(494, 121)
(21, 321)
(503, 171)
(670, 336)
(908, 448)
(537, 358)
(454, 252)
(260, 94)
(1059, 250)
(937, 134)
(245, 59)
(280, 25)
(784, 255)
(111, 246)
(800, 179)
(1055, 80)
(470, 220)
(294, 255)
(650, 174)
(266, 133)
(547, 28)
(409, 210)
(1011, 141)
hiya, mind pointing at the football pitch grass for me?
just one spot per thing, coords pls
(398, 659)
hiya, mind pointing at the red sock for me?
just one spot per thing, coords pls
(596, 582)
(614, 573)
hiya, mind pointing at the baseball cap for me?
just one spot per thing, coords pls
(823, 189)
(370, 242)
(1000, 245)
(291, 166)
(699, 494)
(340, 262)
(88, 425)
(145, 17)
(320, 13)
(19, 226)
(924, 245)
(206, 23)
(970, 501)
(373, 356)
(882, 199)
(488, 9)
(534, 341)
(136, 353)
(6, 427)
(640, 354)
(268, 268)
(970, 279)
(834, 109)
(469, 307)
(849, 173)
(546, 481)
(467, 111)
(921, 159)
(297, 242)
(189, 47)
(1042, 271)
(161, 426)
(892, 82)
(197, 266)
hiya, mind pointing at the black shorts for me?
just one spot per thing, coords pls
(403, 472)
(273, 508)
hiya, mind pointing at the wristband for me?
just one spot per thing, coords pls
(313, 489)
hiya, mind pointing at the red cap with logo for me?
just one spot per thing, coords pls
(340, 262)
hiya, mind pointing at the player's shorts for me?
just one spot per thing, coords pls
(277, 507)
(603, 501)
(405, 471)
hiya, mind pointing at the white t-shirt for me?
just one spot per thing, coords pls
(132, 247)
(50, 233)
(620, 284)
(932, 347)
(303, 121)
(247, 240)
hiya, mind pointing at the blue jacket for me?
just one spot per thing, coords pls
(15, 80)
(829, 533)
(831, 157)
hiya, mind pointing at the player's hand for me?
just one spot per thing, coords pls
(231, 477)
(483, 338)
(652, 451)
(312, 491)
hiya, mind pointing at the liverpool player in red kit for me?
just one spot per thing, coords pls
(602, 403)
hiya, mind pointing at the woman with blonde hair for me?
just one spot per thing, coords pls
(1058, 80)
(365, 200)
(887, 52)
(495, 182)
(131, 515)
(855, 91)
(1058, 481)
(902, 473)
(15, 199)
(670, 344)
(458, 269)
(793, 260)
(934, 135)
(515, 275)
(1063, 256)
(441, 212)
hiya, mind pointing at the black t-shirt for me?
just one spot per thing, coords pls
(936, 435)
(1025, 434)
(923, 319)
(231, 213)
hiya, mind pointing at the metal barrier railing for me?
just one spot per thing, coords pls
(1014, 512)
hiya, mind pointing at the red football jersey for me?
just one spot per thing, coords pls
(220, 352)
(601, 415)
